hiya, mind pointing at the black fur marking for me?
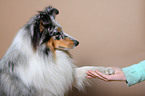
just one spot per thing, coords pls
(45, 18)
(36, 36)
(11, 65)
(47, 38)
(46, 50)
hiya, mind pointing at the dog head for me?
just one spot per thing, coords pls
(46, 30)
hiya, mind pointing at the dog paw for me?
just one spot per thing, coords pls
(85, 69)
(105, 70)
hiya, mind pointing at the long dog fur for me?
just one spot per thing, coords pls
(38, 62)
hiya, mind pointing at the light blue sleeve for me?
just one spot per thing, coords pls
(135, 73)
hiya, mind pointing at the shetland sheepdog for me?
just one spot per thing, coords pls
(38, 62)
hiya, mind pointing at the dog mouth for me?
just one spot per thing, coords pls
(61, 47)
(64, 48)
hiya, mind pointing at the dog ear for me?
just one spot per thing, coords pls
(54, 12)
(48, 14)
(51, 11)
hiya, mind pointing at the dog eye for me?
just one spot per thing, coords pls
(59, 36)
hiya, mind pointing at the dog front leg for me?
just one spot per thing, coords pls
(80, 74)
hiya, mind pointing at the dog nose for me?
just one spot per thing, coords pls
(76, 43)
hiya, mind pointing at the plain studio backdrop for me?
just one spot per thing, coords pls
(111, 33)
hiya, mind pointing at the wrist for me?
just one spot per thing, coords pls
(123, 76)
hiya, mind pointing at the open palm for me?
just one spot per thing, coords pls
(117, 76)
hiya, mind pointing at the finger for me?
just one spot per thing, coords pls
(89, 77)
(107, 77)
(91, 74)
(94, 74)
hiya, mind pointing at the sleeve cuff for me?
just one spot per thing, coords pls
(135, 73)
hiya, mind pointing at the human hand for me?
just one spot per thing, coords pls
(117, 76)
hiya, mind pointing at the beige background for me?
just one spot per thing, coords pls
(111, 33)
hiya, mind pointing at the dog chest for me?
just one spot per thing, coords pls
(53, 76)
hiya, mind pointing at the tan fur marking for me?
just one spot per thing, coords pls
(50, 44)
(66, 43)
(41, 27)
(59, 29)
(60, 44)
